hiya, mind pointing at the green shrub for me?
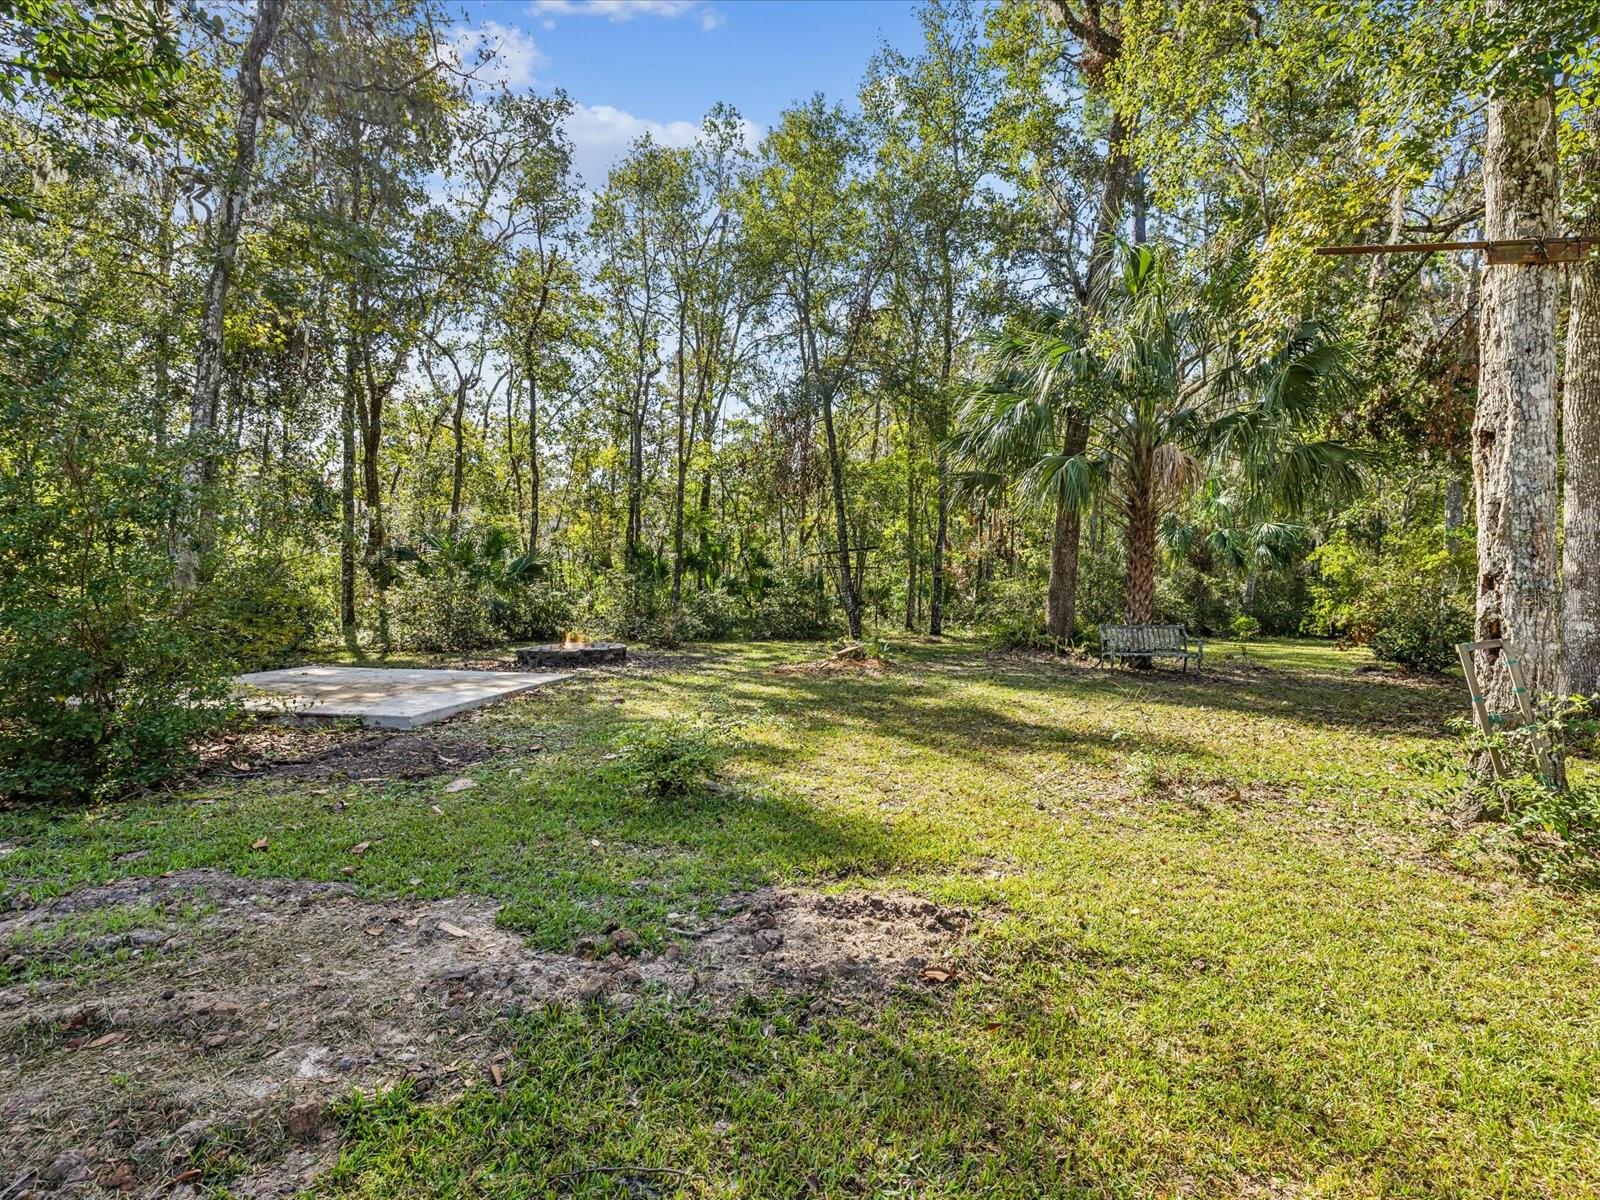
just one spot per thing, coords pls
(1021, 633)
(1245, 629)
(1195, 599)
(1416, 629)
(539, 612)
(668, 759)
(1558, 831)
(441, 612)
(1557, 827)
(1407, 599)
(265, 609)
(794, 605)
(106, 677)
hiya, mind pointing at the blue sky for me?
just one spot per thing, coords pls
(658, 65)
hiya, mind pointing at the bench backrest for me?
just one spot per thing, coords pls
(1143, 639)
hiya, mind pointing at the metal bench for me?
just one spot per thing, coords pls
(1122, 642)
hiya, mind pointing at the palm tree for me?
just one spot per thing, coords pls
(1172, 398)
(1015, 421)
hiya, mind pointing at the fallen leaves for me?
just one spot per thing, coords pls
(360, 848)
(461, 784)
(99, 1043)
(259, 844)
(453, 930)
(938, 975)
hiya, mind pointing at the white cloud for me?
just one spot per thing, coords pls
(513, 56)
(617, 11)
(601, 134)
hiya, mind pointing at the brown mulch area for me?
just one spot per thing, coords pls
(287, 752)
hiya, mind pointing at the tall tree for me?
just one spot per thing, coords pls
(806, 210)
(930, 114)
(1071, 139)
(1158, 427)
(199, 472)
(1514, 432)
(1580, 424)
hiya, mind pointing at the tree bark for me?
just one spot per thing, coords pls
(1455, 507)
(1061, 601)
(1141, 599)
(847, 590)
(458, 415)
(347, 499)
(1580, 562)
(941, 535)
(911, 516)
(533, 453)
(371, 413)
(679, 483)
(198, 471)
(1514, 431)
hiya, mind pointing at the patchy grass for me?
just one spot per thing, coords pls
(1237, 954)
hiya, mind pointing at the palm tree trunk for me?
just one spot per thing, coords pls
(1141, 600)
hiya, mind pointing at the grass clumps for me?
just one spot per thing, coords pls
(668, 760)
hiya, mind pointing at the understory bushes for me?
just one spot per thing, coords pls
(266, 608)
(1406, 596)
(441, 612)
(107, 675)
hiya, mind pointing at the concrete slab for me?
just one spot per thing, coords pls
(382, 697)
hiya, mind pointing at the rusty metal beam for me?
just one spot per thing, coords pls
(1514, 251)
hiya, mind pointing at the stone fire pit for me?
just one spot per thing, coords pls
(562, 655)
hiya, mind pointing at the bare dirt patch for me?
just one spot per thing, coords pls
(286, 752)
(851, 660)
(212, 1051)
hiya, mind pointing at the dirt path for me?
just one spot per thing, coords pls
(206, 1042)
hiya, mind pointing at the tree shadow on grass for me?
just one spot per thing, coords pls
(961, 728)
(1377, 707)
(762, 1103)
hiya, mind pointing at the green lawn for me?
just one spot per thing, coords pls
(1235, 953)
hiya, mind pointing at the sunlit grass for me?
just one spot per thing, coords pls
(1233, 950)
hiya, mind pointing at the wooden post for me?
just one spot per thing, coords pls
(1489, 723)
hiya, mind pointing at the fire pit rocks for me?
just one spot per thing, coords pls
(559, 656)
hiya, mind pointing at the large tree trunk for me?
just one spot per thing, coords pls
(1580, 563)
(533, 454)
(1514, 433)
(1141, 534)
(1455, 508)
(941, 536)
(198, 472)
(847, 589)
(679, 483)
(372, 496)
(911, 517)
(458, 420)
(1061, 601)
(347, 500)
